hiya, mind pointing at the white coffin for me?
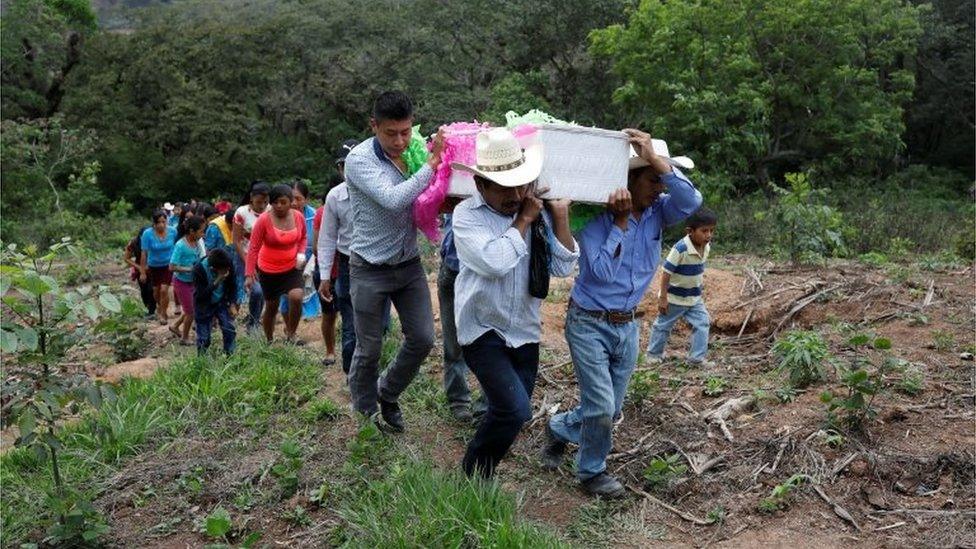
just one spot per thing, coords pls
(582, 164)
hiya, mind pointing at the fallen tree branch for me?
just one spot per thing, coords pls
(675, 510)
(838, 510)
(800, 304)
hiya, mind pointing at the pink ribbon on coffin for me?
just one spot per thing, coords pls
(459, 146)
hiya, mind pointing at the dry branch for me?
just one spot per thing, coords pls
(675, 510)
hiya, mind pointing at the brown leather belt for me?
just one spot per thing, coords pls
(613, 317)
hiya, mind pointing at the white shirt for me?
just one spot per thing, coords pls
(492, 288)
(336, 230)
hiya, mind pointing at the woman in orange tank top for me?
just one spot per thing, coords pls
(276, 255)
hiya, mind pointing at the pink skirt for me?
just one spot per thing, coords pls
(184, 294)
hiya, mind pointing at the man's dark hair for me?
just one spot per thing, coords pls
(703, 217)
(392, 105)
(220, 259)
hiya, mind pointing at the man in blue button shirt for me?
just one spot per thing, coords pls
(620, 251)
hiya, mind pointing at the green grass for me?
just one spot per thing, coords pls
(419, 506)
(196, 392)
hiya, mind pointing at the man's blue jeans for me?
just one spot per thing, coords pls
(455, 370)
(507, 378)
(696, 315)
(604, 356)
(204, 322)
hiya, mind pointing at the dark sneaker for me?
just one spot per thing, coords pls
(552, 453)
(462, 413)
(390, 411)
(604, 485)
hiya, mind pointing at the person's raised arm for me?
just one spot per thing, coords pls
(490, 255)
(369, 178)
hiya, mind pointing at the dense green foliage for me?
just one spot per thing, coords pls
(195, 99)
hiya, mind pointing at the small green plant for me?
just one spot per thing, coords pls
(853, 409)
(779, 497)
(716, 515)
(786, 394)
(81, 525)
(322, 409)
(877, 259)
(644, 385)
(123, 332)
(662, 472)
(321, 494)
(802, 354)
(714, 386)
(297, 516)
(218, 523)
(287, 468)
(912, 380)
(943, 340)
(900, 248)
(917, 319)
(809, 230)
(834, 439)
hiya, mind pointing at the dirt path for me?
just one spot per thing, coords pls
(916, 454)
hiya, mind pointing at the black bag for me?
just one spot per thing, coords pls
(539, 259)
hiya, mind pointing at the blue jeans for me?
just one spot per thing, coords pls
(204, 316)
(255, 303)
(696, 316)
(604, 356)
(507, 378)
(455, 370)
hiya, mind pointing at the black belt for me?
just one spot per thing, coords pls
(363, 264)
(613, 317)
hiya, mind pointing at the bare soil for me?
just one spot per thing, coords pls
(906, 480)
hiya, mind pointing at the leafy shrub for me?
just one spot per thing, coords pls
(807, 229)
(801, 354)
(124, 332)
(644, 385)
(287, 468)
(943, 340)
(853, 409)
(663, 472)
(714, 386)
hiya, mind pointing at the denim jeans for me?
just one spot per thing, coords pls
(507, 378)
(604, 356)
(204, 322)
(696, 316)
(255, 302)
(343, 300)
(372, 287)
(455, 370)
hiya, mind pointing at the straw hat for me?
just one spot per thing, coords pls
(500, 158)
(661, 149)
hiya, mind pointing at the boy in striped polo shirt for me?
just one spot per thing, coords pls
(681, 290)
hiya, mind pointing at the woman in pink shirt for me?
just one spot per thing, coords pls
(276, 253)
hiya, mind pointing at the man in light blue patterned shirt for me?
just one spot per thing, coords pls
(496, 311)
(384, 263)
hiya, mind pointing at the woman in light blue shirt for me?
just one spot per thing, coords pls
(157, 249)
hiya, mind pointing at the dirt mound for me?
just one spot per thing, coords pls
(141, 368)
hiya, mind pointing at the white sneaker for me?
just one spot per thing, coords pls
(653, 360)
(701, 364)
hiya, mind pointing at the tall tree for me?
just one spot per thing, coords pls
(758, 87)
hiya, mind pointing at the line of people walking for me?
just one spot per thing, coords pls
(501, 246)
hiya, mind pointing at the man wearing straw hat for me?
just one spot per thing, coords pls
(384, 263)
(620, 251)
(508, 244)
